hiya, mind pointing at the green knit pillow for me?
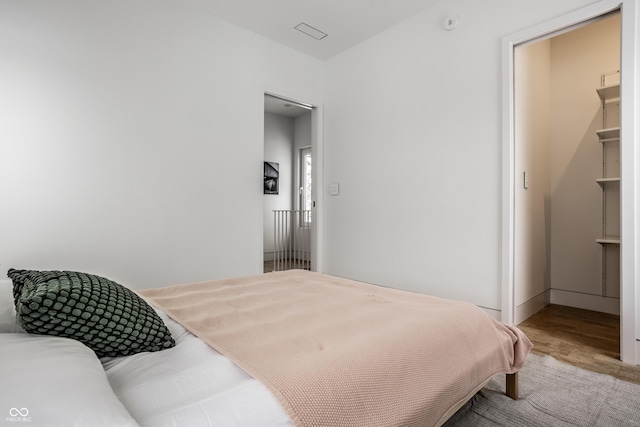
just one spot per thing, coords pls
(105, 316)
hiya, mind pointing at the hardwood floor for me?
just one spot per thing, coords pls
(587, 339)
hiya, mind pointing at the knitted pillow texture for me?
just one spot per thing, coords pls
(103, 315)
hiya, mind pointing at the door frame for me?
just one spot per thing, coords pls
(629, 235)
(317, 150)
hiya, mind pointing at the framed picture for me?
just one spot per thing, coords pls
(271, 177)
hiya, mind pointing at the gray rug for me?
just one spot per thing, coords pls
(554, 394)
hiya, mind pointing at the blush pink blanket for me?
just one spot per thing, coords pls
(336, 352)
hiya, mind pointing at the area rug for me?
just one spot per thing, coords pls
(553, 394)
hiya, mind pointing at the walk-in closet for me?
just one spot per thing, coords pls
(567, 167)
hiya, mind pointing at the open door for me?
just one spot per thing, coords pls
(290, 217)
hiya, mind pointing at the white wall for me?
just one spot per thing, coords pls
(413, 136)
(131, 143)
(578, 60)
(532, 67)
(302, 131)
(131, 138)
(278, 147)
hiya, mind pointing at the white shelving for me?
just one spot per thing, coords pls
(609, 92)
(609, 182)
(608, 135)
(603, 181)
(608, 240)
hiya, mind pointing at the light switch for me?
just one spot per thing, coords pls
(334, 189)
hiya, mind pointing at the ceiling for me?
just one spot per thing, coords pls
(346, 22)
(282, 107)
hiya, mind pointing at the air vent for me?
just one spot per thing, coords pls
(310, 31)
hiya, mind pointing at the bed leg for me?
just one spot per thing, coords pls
(512, 386)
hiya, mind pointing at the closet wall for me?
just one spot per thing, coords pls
(532, 198)
(578, 59)
(558, 202)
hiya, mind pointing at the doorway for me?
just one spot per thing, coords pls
(515, 179)
(288, 232)
(559, 206)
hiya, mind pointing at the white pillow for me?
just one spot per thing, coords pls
(8, 318)
(53, 381)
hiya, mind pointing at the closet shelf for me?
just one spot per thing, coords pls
(609, 92)
(609, 134)
(608, 240)
(603, 181)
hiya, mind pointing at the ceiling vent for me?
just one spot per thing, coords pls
(310, 31)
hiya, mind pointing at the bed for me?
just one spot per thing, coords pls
(293, 348)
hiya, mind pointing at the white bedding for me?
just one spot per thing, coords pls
(55, 382)
(190, 385)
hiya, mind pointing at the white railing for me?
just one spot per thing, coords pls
(292, 239)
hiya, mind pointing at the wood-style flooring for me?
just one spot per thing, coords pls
(587, 339)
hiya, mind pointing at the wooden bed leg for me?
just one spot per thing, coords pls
(512, 386)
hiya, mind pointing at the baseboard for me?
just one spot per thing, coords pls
(586, 301)
(496, 314)
(531, 307)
